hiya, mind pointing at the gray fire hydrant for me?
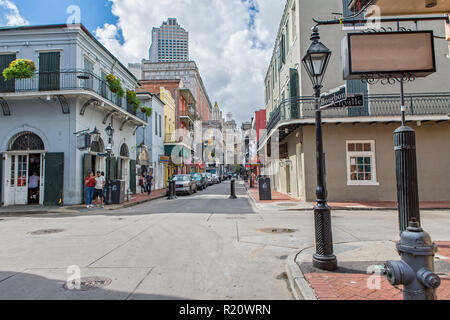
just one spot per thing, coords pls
(415, 271)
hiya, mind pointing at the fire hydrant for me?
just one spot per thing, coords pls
(415, 271)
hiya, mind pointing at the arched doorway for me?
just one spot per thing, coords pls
(24, 169)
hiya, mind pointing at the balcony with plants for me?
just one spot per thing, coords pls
(21, 78)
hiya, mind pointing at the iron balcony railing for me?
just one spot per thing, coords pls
(375, 105)
(68, 80)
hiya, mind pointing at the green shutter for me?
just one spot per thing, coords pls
(49, 71)
(294, 92)
(119, 169)
(87, 169)
(112, 169)
(10, 85)
(1, 177)
(133, 176)
(54, 179)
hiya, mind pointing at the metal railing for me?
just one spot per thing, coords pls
(375, 105)
(67, 80)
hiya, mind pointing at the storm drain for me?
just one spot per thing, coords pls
(89, 283)
(276, 230)
(46, 231)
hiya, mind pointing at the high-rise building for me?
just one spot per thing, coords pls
(170, 42)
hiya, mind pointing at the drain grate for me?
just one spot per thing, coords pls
(276, 230)
(91, 283)
(46, 231)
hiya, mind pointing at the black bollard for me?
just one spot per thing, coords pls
(233, 189)
(406, 169)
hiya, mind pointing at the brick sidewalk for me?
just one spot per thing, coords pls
(383, 205)
(351, 286)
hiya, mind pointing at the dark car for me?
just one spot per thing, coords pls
(185, 184)
(200, 180)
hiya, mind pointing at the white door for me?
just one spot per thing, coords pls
(17, 180)
(126, 174)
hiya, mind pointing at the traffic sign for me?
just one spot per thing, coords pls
(356, 100)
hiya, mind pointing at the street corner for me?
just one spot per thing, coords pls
(359, 275)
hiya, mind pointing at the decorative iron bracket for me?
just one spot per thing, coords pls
(64, 105)
(95, 102)
(109, 114)
(135, 129)
(124, 122)
(5, 107)
(387, 79)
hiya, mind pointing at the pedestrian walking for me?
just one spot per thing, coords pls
(104, 190)
(99, 186)
(142, 183)
(149, 179)
(90, 185)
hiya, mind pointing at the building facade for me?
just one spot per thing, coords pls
(47, 120)
(151, 137)
(358, 142)
(170, 42)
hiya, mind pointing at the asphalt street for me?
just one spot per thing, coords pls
(203, 246)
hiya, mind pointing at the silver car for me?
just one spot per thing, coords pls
(185, 184)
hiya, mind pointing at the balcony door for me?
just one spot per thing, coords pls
(10, 85)
(49, 71)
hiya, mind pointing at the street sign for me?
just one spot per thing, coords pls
(356, 100)
(333, 97)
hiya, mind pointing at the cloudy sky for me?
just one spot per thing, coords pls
(231, 40)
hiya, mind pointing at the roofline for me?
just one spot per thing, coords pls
(153, 95)
(82, 27)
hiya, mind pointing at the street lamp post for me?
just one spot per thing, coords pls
(109, 132)
(315, 62)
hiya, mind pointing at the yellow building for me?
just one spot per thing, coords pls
(169, 126)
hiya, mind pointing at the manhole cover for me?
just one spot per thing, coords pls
(46, 231)
(276, 230)
(89, 283)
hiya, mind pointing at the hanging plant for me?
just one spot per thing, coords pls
(114, 85)
(19, 69)
(133, 100)
(148, 111)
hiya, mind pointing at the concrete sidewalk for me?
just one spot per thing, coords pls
(357, 277)
(284, 202)
(135, 199)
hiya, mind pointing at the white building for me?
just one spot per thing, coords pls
(44, 117)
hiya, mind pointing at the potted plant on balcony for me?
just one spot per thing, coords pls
(148, 111)
(19, 69)
(114, 85)
(133, 100)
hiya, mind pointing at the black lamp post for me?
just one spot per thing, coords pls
(315, 62)
(109, 132)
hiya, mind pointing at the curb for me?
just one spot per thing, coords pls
(129, 205)
(251, 197)
(298, 285)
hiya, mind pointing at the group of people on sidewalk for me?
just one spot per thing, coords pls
(95, 189)
(146, 183)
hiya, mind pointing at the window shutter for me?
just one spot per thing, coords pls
(10, 85)
(1, 177)
(133, 176)
(49, 71)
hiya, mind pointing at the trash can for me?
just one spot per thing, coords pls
(265, 192)
(117, 191)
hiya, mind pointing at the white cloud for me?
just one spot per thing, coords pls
(12, 14)
(221, 43)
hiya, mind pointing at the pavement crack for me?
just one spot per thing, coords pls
(237, 232)
(138, 285)
(119, 246)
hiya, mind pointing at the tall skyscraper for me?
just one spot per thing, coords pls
(170, 42)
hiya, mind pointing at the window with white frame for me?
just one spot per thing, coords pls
(361, 164)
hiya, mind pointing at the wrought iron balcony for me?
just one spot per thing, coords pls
(422, 104)
(71, 80)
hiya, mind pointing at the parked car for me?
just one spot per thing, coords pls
(200, 180)
(184, 183)
(215, 178)
(207, 180)
(210, 179)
